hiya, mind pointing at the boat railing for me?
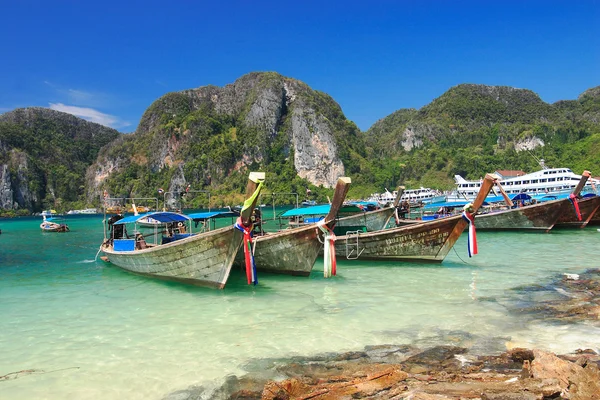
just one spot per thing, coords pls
(353, 250)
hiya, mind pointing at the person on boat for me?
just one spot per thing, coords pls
(257, 222)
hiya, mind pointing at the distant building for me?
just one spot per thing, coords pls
(507, 173)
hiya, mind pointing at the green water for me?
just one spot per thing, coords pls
(99, 332)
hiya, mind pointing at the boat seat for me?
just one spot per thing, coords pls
(124, 245)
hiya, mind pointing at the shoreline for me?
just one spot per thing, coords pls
(440, 372)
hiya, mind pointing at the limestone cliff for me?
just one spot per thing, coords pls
(44, 155)
(202, 136)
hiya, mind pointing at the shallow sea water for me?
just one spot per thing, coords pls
(93, 331)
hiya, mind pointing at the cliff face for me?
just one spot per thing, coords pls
(44, 155)
(202, 136)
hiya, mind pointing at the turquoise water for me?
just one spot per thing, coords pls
(93, 331)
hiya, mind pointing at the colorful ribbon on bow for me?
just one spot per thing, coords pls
(472, 238)
(329, 261)
(575, 203)
(248, 256)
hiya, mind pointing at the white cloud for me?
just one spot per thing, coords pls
(91, 115)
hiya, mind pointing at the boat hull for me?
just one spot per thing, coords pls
(536, 217)
(373, 220)
(204, 259)
(425, 241)
(290, 252)
(587, 208)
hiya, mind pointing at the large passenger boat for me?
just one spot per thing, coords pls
(539, 183)
(412, 196)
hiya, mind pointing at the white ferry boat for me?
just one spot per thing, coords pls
(545, 181)
(413, 196)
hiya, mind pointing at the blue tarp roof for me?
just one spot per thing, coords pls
(548, 197)
(364, 203)
(161, 216)
(448, 204)
(213, 214)
(322, 209)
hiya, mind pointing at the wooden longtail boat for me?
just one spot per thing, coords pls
(426, 241)
(536, 217)
(371, 220)
(588, 207)
(595, 220)
(294, 251)
(539, 217)
(203, 259)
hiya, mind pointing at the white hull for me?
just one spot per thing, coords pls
(546, 181)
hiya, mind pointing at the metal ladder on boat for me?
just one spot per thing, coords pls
(352, 246)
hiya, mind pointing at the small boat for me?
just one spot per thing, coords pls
(428, 241)
(200, 258)
(148, 221)
(138, 209)
(53, 224)
(48, 213)
(84, 211)
(309, 203)
(294, 251)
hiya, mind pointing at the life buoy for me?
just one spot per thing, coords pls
(180, 224)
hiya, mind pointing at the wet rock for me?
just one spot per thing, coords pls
(576, 381)
(191, 393)
(519, 354)
(427, 396)
(391, 354)
(437, 358)
(511, 396)
(351, 355)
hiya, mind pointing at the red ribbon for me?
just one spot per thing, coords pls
(249, 258)
(575, 202)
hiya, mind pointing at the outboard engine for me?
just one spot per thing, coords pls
(117, 230)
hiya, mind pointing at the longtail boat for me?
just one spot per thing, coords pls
(371, 220)
(535, 217)
(294, 251)
(426, 241)
(578, 212)
(203, 258)
(53, 224)
(595, 220)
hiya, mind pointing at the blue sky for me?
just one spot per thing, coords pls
(108, 61)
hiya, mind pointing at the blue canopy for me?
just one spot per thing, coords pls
(449, 204)
(322, 209)
(213, 214)
(548, 197)
(160, 216)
